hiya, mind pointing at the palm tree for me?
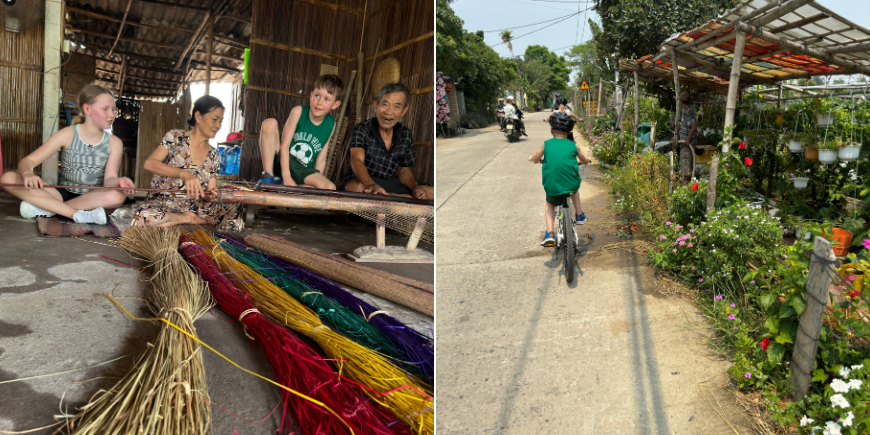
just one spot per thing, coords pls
(506, 37)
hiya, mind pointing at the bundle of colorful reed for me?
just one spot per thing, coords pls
(165, 391)
(331, 313)
(417, 349)
(385, 383)
(294, 363)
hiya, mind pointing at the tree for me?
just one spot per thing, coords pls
(634, 28)
(506, 38)
(558, 71)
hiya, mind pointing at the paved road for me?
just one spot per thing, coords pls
(520, 351)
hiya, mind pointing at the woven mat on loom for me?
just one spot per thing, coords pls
(60, 226)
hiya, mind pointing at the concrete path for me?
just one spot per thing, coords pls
(519, 350)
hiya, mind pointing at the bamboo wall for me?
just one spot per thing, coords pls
(155, 119)
(21, 59)
(280, 79)
(404, 30)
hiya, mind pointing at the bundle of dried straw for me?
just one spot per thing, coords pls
(165, 391)
(386, 383)
(417, 350)
(295, 364)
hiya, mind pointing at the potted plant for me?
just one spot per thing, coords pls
(801, 182)
(828, 151)
(849, 151)
(825, 114)
(811, 150)
(796, 141)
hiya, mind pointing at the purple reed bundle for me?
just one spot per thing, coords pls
(417, 348)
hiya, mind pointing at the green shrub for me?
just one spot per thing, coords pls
(689, 204)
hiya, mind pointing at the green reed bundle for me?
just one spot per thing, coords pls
(165, 391)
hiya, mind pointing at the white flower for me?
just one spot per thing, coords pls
(848, 421)
(855, 384)
(844, 373)
(839, 400)
(858, 367)
(839, 386)
(832, 428)
(806, 420)
(815, 428)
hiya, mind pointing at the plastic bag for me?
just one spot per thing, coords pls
(122, 218)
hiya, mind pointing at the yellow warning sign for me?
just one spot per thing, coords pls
(584, 86)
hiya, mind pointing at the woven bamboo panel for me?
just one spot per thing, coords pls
(301, 26)
(20, 109)
(155, 119)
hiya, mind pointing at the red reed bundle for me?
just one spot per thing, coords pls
(295, 364)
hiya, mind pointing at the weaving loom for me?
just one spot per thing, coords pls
(411, 217)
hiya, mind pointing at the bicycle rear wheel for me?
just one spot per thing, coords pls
(568, 226)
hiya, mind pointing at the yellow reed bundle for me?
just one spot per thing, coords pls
(394, 389)
(165, 391)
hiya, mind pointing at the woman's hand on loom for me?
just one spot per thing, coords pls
(419, 192)
(32, 182)
(212, 194)
(373, 188)
(192, 185)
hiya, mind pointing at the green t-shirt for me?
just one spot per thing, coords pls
(309, 139)
(560, 172)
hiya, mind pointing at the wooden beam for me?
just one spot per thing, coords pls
(806, 51)
(300, 50)
(193, 40)
(333, 7)
(720, 67)
(120, 30)
(175, 5)
(278, 91)
(799, 23)
(26, 66)
(726, 26)
(850, 48)
(403, 45)
(123, 74)
(233, 17)
(156, 44)
(383, 8)
(209, 53)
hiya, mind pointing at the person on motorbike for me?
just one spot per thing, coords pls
(499, 113)
(512, 112)
(562, 106)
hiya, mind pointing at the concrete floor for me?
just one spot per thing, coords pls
(53, 318)
(521, 351)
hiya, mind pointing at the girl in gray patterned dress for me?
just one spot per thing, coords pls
(89, 156)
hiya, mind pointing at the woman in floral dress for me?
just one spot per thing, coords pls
(187, 161)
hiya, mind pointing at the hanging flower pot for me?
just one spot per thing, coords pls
(778, 119)
(800, 182)
(827, 156)
(795, 146)
(825, 119)
(853, 204)
(811, 153)
(849, 153)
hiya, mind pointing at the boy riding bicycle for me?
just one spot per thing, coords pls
(560, 173)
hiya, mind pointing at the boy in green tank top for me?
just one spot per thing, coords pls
(299, 153)
(560, 173)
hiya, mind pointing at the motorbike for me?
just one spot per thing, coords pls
(500, 118)
(512, 130)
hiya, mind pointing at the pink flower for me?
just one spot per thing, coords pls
(851, 278)
(678, 227)
(866, 244)
(693, 267)
(662, 237)
(731, 317)
(718, 297)
(682, 243)
(732, 305)
(690, 245)
(666, 223)
(747, 375)
(675, 251)
(692, 230)
(700, 279)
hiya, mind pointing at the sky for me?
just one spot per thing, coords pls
(493, 16)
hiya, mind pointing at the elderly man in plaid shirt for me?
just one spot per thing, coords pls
(382, 150)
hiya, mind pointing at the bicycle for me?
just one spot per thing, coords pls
(566, 235)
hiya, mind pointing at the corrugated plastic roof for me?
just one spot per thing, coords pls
(810, 25)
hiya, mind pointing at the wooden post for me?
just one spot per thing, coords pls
(652, 137)
(636, 109)
(671, 173)
(600, 88)
(209, 53)
(380, 231)
(807, 340)
(772, 153)
(121, 28)
(360, 59)
(711, 185)
(678, 107)
(415, 236)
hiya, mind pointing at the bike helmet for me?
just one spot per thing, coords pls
(562, 122)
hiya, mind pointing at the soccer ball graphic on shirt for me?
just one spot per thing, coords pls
(302, 152)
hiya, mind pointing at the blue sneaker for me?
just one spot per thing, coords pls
(268, 178)
(581, 219)
(549, 239)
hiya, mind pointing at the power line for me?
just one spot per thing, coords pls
(533, 31)
(528, 25)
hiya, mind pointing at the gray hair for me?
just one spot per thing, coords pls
(392, 88)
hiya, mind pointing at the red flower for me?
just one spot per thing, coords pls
(748, 161)
(853, 294)
(742, 146)
(694, 187)
(764, 343)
